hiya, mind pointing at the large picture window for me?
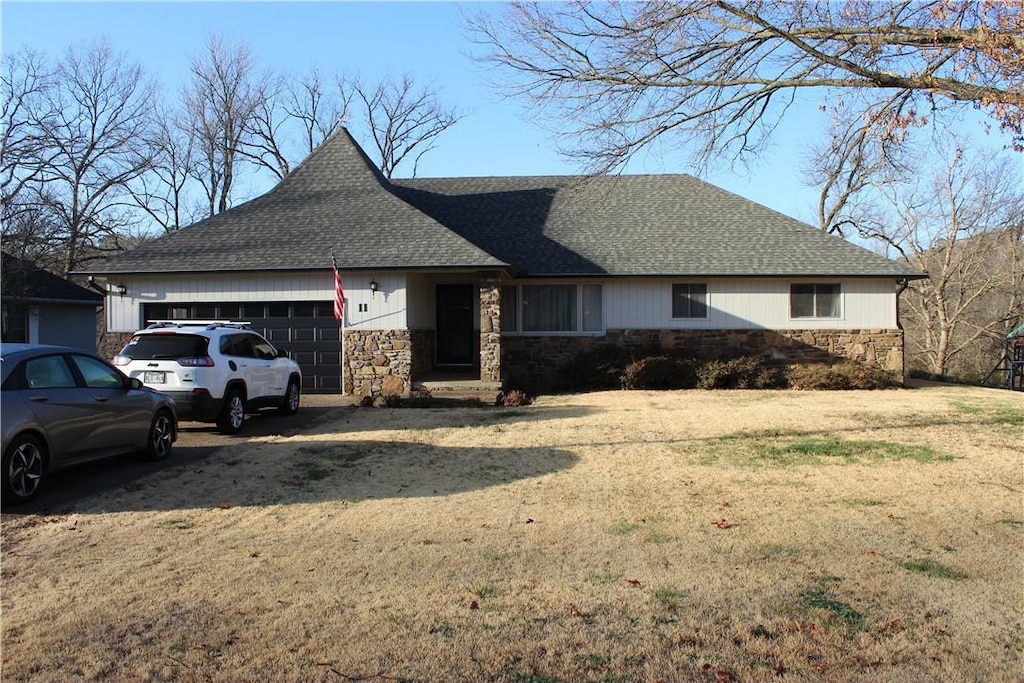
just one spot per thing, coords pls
(815, 300)
(552, 308)
(689, 300)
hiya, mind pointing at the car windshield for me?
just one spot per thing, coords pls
(164, 346)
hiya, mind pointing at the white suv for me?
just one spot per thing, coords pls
(215, 371)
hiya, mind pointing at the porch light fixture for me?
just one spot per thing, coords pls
(120, 289)
(374, 286)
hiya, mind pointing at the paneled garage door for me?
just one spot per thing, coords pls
(307, 330)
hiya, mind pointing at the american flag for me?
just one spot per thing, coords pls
(339, 295)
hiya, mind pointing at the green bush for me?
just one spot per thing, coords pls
(844, 375)
(745, 372)
(597, 369)
(659, 372)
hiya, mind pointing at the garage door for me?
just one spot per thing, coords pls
(307, 330)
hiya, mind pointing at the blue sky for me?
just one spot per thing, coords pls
(498, 135)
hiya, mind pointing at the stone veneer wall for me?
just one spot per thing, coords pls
(535, 362)
(490, 329)
(379, 362)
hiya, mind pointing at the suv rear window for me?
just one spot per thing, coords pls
(165, 347)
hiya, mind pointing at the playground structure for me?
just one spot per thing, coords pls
(1012, 363)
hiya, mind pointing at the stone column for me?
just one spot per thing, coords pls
(490, 328)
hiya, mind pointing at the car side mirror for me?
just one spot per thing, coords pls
(134, 383)
(281, 353)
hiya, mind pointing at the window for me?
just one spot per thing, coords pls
(593, 320)
(549, 308)
(97, 375)
(510, 308)
(689, 300)
(15, 323)
(815, 300)
(48, 372)
(552, 308)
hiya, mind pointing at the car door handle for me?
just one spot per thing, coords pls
(38, 399)
(100, 399)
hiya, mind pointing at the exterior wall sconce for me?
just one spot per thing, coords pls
(374, 286)
(120, 289)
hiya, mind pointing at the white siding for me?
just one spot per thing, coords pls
(746, 303)
(386, 309)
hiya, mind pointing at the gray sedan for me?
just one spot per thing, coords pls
(61, 406)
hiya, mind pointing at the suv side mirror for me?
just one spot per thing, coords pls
(281, 353)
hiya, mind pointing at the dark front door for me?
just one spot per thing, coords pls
(455, 325)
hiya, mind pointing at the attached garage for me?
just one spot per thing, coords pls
(306, 329)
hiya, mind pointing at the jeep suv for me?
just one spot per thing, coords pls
(215, 371)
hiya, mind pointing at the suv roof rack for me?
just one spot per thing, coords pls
(206, 324)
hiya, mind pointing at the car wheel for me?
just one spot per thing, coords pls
(290, 404)
(161, 436)
(24, 465)
(233, 415)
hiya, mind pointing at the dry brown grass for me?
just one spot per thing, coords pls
(605, 537)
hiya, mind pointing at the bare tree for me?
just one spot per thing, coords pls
(721, 75)
(318, 109)
(404, 120)
(27, 82)
(163, 192)
(962, 226)
(222, 99)
(88, 143)
(304, 103)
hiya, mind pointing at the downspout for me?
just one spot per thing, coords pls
(903, 283)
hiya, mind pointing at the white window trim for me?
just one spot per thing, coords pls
(707, 300)
(579, 311)
(789, 300)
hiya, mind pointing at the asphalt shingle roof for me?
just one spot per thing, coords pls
(23, 280)
(336, 199)
(537, 226)
(635, 225)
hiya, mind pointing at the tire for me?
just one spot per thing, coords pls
(292, 395)
(24, 468)
(161, 436)
(233, 414)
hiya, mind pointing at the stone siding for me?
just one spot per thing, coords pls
(535, 362)
(490, 329)
(379, 362)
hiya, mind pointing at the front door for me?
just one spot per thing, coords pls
(455, 325)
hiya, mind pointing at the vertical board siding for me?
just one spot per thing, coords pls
(747, 303)
(386, 310)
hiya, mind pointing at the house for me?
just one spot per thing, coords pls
(40, 308)
(507, 278)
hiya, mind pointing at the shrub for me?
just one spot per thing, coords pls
(659, 372)
(513, 398)
(844, 375)
(745, 372)
(597, 369)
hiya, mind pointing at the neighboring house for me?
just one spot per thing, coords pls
(40, 308)
(507, 278)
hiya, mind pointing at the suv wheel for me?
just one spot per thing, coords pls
(233, 415)
(290, 404)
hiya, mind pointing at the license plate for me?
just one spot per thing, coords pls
(154, 377)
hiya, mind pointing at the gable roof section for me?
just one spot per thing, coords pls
(22, 280)
(642, 225)
(336, 199)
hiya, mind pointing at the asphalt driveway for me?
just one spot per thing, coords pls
(196, 442)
